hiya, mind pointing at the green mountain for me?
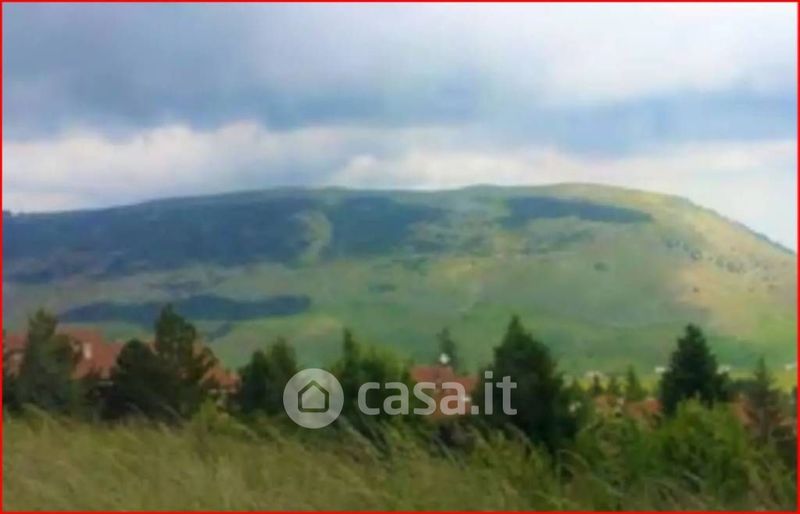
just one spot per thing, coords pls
(605, 276)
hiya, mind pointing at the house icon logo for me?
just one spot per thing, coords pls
(313, 398)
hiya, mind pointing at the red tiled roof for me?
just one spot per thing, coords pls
(13, 346)
(13, 343)
(435, 373)
(96, 355)
(439, 375)
(646, 409)
(227, 380)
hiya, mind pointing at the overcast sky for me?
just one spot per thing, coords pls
(110, 104)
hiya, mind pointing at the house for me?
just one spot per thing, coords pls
(440, 374)
(97, 356)
(647, 410)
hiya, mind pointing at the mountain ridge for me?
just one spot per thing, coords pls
(259, 193)
(594, 269)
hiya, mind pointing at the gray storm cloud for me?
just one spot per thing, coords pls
(108, 104)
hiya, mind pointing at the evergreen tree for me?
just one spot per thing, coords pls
(447, 346)
(692, 373)
(359, 365)
(634, 392)
(45, 372)
(541, 403)
(349, 371)
(596, 389)
(763, 403)
(614, 388)
(177, 347)
(264, 378)
(168, 381)
(140, 384)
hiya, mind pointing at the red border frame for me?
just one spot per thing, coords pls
(797, 135)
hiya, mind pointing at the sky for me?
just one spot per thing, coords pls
(115, 104)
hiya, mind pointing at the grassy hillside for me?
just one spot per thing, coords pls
(606, 276)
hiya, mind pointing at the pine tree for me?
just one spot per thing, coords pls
(634, 392)
(177, 347)
(264, 377)
(169, 381)
(45, 373)
(596, 388)
(540, 400)
(140, 385)
(763, 403)
(349, 372)
(614, 388)
(359, 365)
(692, 373)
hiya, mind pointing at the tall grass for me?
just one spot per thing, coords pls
(216, 463)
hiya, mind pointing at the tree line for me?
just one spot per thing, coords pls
(695, 449)
(168, 380)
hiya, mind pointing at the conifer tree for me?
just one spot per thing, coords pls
(614, 388)
(45, 372)
(264, 378)
(634, 391)
(169, 381)
(359, 365)
(140, 385)
(540, 400)
(692, 373)
(596, 388)
(763, 403)
(177, 347)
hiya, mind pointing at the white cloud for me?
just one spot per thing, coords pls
(556, 53)
(753, 182)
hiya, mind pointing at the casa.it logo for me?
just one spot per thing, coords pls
(313, 398)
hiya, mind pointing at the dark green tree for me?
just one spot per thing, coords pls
(596, 388)
(140, 384)
(264, 378)
(359, 365)
(169, 381)
(692, 373)
(45, 372)
(614, 388)
(177, 347)
(349, 371)
(763, 403)
(634, 391)
(540, 400)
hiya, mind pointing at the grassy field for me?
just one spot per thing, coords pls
(214, 463)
